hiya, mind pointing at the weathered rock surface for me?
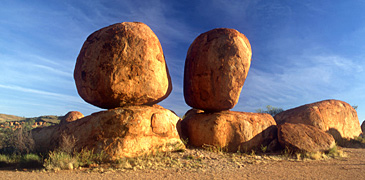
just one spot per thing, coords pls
(71, 116)
(363, 127)
(333, 116)
(304, 138)
(122, 64)
(232, 131)
(121, 132)
(216, 68)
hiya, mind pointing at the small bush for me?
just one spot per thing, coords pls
(60, 160)
(17, 141)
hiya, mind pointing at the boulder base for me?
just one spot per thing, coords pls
(216, 68)
(333, 116)
(122, 132)
(120, 65)
(232, 131)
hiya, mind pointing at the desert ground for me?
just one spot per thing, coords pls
(213, 165)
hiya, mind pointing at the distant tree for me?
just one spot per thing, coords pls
(270, 110)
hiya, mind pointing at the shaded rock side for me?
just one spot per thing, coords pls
(122, 132)
(363, 127)
(216, 68)
(333, 116)
(232, 131)
(304, 138)
(122, 64)
(71, 116)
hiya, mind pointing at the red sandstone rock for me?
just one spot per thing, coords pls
(304, 138)
(333, 116)
(232, 131)
(121, 132)
(122, 64)
(216, 67)
(71, 116)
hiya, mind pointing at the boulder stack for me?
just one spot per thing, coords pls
(121, 68)
(216, 67)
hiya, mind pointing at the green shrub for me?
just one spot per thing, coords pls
(60, 160)
(17, 141)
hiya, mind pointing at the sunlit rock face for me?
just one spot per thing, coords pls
(304, 138)
(121, 132)
(232, 131)
(122, 64)
(216, 67)
(71, 116)
(333, 116)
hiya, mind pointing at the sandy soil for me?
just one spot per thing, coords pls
(215, 166)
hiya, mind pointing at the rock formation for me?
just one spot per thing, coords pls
(333, 116)
(71, 116)
(122, 64)
(216, 67)
(121, 132)
(363, 127)
(304, 138)
(232, 131)
(121, 68)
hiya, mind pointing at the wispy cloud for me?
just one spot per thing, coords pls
(43, 93)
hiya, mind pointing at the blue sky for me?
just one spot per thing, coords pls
(303, 51)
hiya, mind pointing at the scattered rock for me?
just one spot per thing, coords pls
(232, 131)
(121, 132)
(304, 138)
(333, 116)
(71, 116)
(216, 67)
(122, 64)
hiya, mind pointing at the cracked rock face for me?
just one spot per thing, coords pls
(216, 67)
(302, 137)
(120, 65)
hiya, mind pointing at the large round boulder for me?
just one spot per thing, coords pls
(122, 64)
(216, 67)
(333, 116)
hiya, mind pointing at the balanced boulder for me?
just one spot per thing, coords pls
(232, 131)
(121, 132)
(71, 116)
(333, 116)
(216, 67)
(304, 138)
(122, 64)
